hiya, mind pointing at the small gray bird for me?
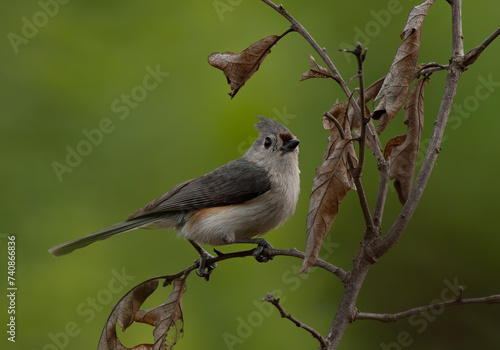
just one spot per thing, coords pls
(234, 203)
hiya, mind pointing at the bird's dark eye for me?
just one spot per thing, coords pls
(268, 142)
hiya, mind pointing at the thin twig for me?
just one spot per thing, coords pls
(492, 299)
(362, 198)
(471, 56)
(284, 314)
(267, 251)
(358, 170)
(360, 56)
(383, 187)
(321, 52)
(429, 68)
(356, 177)
(272, 252)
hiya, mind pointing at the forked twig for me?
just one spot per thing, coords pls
(284, 314)
(492, 299)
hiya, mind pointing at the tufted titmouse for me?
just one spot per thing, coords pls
(240, 200)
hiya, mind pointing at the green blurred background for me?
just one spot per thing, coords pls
(84, 55)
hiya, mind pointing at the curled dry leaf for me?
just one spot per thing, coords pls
(332, 182)
(166, 318)
(402, 150)
(316, 71)
(394, 142)
(239, 67)
(124, 313)
(396, 86)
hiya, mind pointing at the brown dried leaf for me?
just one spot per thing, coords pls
(166, 318)
(396, 86)
(395, 141)
(332, 182)
(316, 71)
(238, 68)
(402, 150)
(124, 313)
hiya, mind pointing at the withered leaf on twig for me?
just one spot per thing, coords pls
(123, 313)
(402, 150)
(239, 67)
(393, 142)
(396, 86)
(316, 71)
(332, 182)
(166, 318)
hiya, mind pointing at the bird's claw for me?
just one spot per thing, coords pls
(257, 253)
(204, 269)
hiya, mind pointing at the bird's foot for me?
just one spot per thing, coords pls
(258, 251)
(204, 269)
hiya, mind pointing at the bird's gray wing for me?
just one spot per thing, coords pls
(235, 182)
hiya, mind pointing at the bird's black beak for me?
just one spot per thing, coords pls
(290, 146)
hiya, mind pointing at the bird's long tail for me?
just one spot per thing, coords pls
(68, 247)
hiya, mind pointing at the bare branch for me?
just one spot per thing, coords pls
(268, 252)
(374, 141)
(492, 299)
(358, 171)
(429, 68)
(360, 56)
(362, 198)
(272, 252)
(471, 56)
(284, 314)
(457, 38)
